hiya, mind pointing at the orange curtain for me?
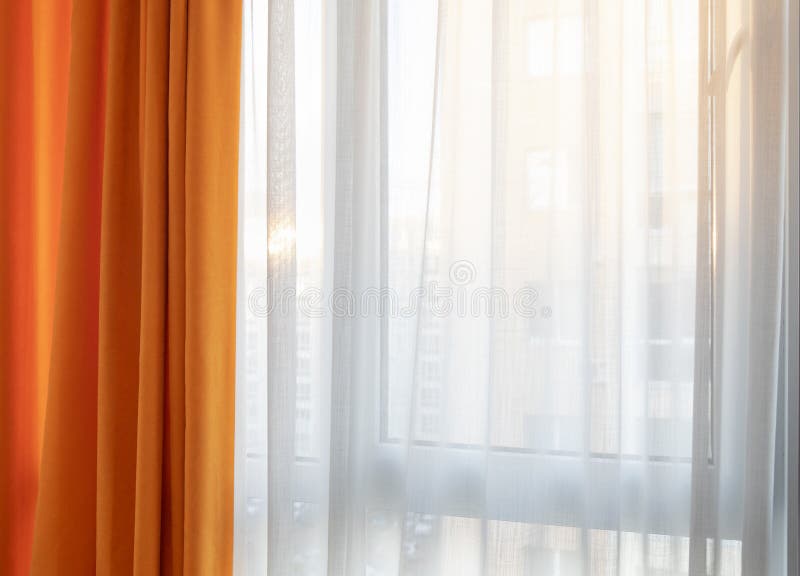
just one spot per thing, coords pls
(34, 60)
(136, 471)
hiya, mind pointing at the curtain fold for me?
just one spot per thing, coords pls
(137, 465)
(769, 188)
(34, 57)
(355, 342)
(65, 526)
(282, 273)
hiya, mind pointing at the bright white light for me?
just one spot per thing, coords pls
(281, 241)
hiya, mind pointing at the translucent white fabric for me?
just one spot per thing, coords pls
(510, 287)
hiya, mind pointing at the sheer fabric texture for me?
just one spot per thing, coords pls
(510, 285)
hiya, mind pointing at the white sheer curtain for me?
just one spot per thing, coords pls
(510, 287)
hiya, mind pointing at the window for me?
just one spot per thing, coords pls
(524, 184)
(572, 359)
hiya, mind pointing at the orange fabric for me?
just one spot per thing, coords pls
(65, 513)
(34, 53)
(17, 282)
(136, 471)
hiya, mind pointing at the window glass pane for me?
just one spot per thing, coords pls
(580, 190)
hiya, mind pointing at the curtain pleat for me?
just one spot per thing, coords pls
(355, 340)
(769, 103)
(137, 472)
(211, 171)
(154, 94)
(17, 281)
(174, 413)
(121, 225)
(340, 541)
(34, 53)
(65, 521)
(282, 271)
